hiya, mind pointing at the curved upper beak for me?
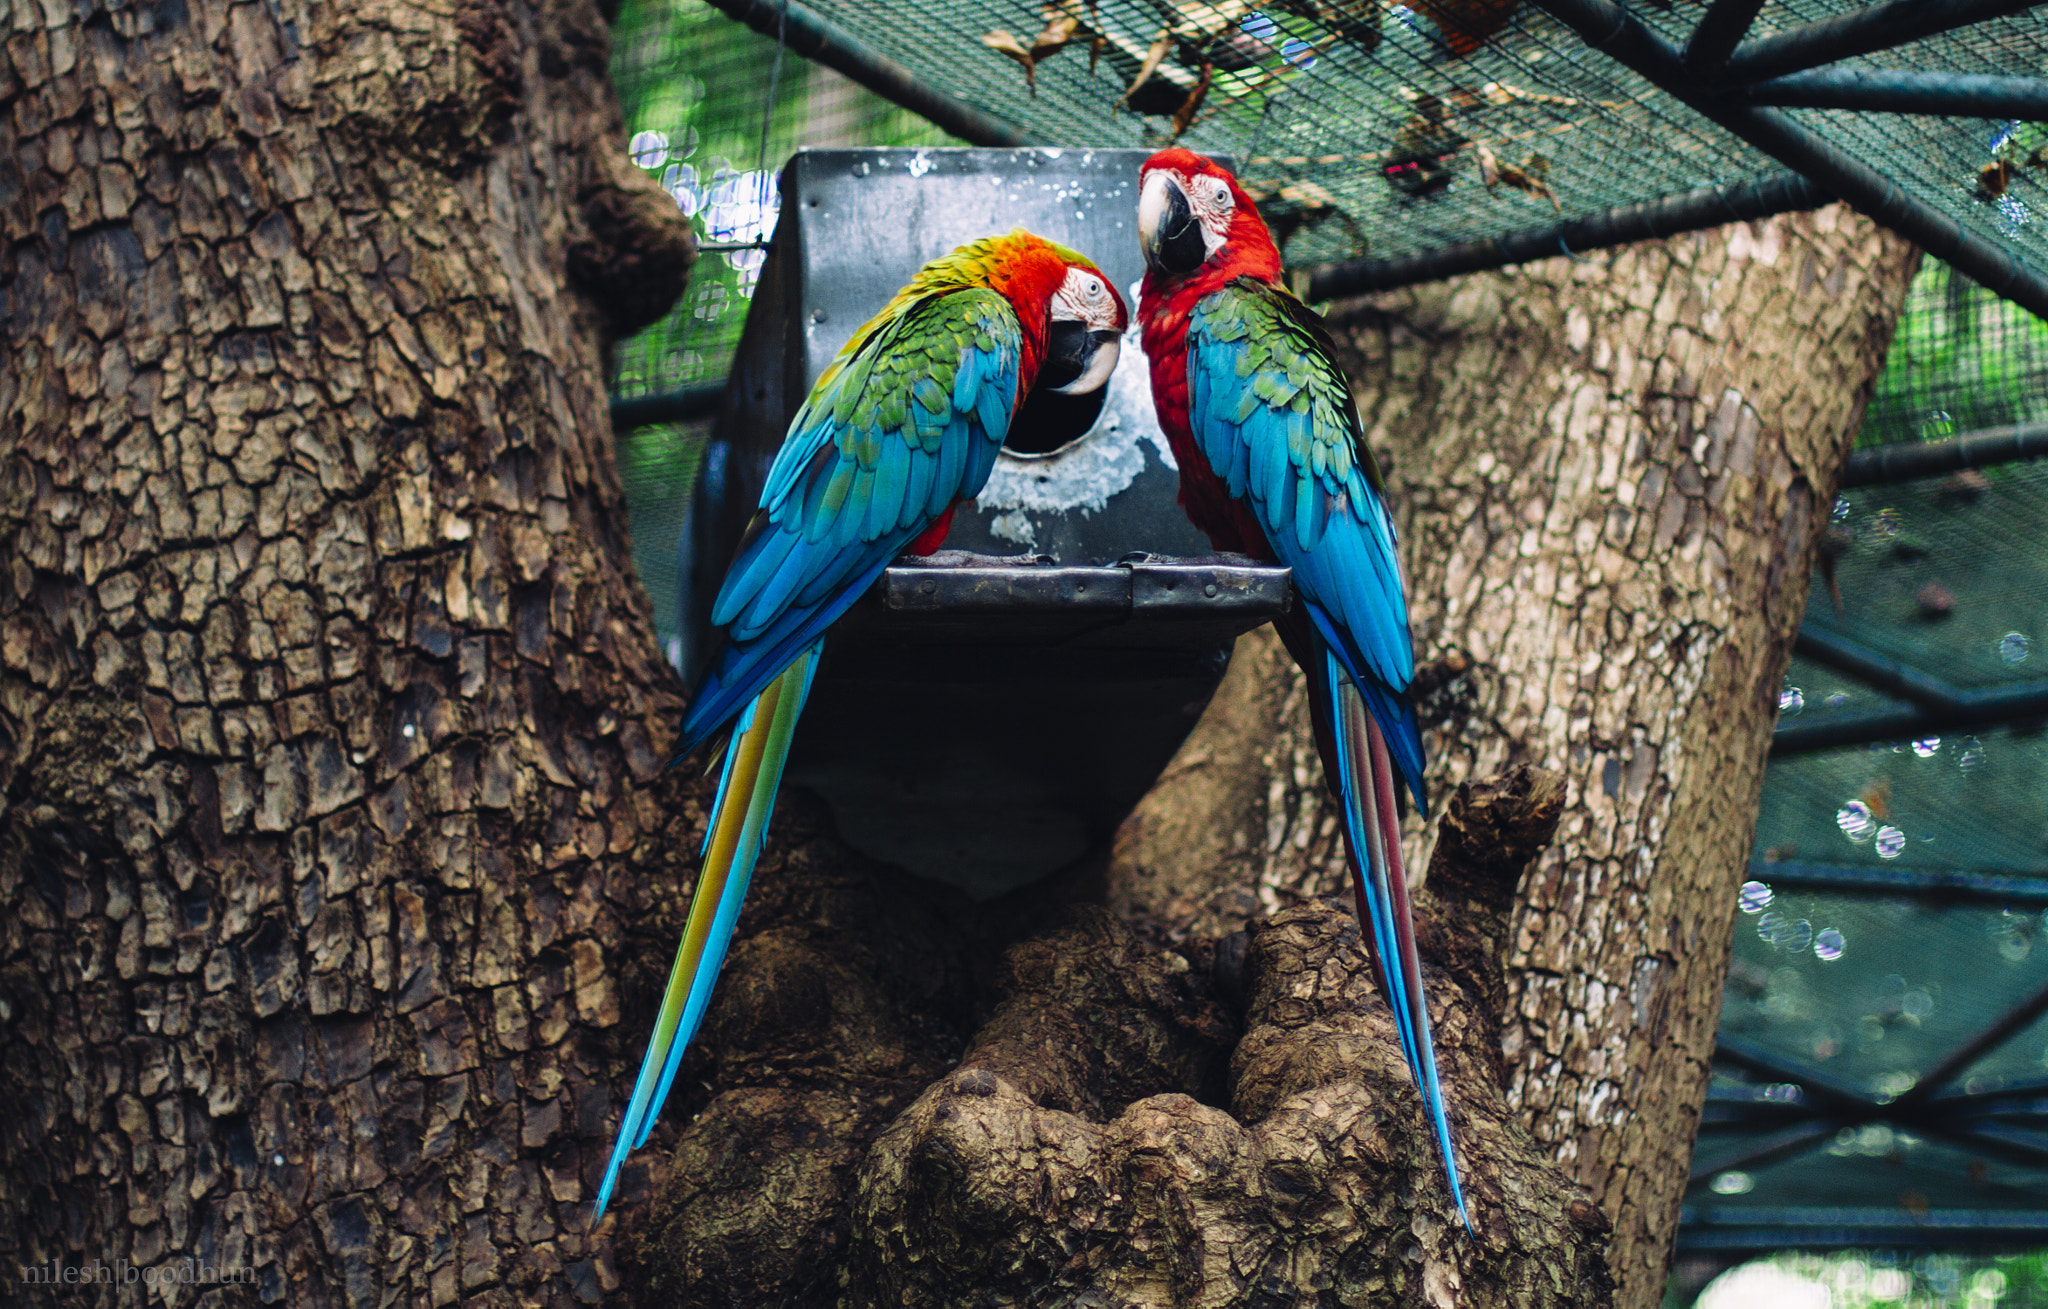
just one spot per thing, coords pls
(1167, 229)
(1077, 359)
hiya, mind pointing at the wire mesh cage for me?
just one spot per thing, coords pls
(1394, 130)
(1883, 1078)
(1963, 360)
(713, 110)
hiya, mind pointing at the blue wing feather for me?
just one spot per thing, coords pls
(1272, 414)
(1304, 470)
(868, 465)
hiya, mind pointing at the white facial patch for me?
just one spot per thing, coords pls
(1213, 204)
(1209, 199)
(1085, 298)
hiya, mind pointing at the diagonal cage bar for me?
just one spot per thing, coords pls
(1905, 91)
(1906, 461)
(1695, 211)
(1785, 1143)
(814, 36)
(2010, 1024)
(1719, 32)
(1607, 27)
(1860, 33)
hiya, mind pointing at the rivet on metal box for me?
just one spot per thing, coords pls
(983, 723)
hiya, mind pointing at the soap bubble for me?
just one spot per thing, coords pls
(2014, 647)
(1790, 701)
(1828, 944)
(1755, 897)
(680, 181)
(741, 206)
(1891, 842)
(649, 149)
(1856, 822)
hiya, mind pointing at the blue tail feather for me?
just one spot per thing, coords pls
(1371, 831)
(690, 985)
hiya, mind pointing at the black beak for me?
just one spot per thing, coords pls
(1178, 249)
(1070, 352)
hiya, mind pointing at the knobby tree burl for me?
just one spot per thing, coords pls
(340, 875)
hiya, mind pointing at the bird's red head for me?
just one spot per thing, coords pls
(1196, 223)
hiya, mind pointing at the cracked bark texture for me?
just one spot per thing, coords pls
(339, 883)
(327, 698)
(1609, 473)
(903, 1098)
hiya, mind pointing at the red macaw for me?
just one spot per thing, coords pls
(901, 428)
(1273, 464)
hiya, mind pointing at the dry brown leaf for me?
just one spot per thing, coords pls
(1153, 58)
(1993, 178)
(1008, 46)
(1523, 180)
(1205, 20)
(1059, 30)
(1185, 115)
(1526, 177)
(1489, 167)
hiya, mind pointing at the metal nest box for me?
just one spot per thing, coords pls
(978, 720)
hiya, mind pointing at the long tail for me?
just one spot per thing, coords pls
(1374, 830)
(739, 819)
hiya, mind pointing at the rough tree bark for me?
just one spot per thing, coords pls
(338, 882)
(329, 701)
(1609, 473)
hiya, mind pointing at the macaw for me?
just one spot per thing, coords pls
(900, 429)
(1273, 464)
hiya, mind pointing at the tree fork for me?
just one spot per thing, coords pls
(1219, 1122)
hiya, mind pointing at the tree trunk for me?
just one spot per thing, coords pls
(329, 702)
(1610, 473)
(339, 877)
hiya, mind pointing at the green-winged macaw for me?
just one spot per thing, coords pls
(901, 428)
(1273, 464)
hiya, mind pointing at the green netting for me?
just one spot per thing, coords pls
(1871, 1280)
(1871, 992)
(709, 114)
(1871, 989)
(1367, 137)
(1364, 109)
(1977, 542)
(1963, 360)
(696, 89)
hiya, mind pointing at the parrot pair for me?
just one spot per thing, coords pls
(905, 424)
